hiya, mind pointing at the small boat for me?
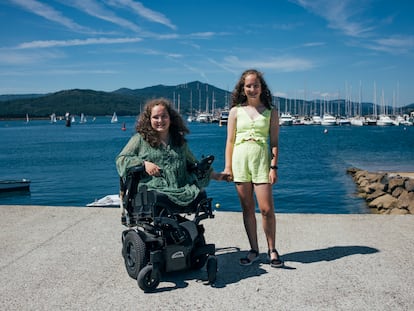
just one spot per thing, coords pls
(224, 118)
(204, 118)
(114, 118)
(111, 200)
(286, 119)
(123, 127)
(316, 120)
(328, 120)
(384, 120)
(14, 185)
(82, 118)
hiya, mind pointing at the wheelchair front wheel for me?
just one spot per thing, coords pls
(133, 251)
(148, 278)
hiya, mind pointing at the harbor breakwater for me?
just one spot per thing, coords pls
(386, 193)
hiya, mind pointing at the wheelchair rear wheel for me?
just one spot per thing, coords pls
(133, 251)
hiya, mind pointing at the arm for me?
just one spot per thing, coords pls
(129, 156)
(231, 136)
(274, 145)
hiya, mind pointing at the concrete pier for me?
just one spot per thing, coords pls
(69, 258)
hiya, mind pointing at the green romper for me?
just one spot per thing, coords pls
(251, 153)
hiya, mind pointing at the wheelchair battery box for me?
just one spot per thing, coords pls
(176, 257)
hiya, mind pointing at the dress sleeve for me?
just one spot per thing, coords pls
(130, 155)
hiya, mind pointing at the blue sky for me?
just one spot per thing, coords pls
(306, 48)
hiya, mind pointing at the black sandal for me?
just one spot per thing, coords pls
(277, 262)
(245, 261)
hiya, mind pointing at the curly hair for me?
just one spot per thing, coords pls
(238, 97)
(177, 129)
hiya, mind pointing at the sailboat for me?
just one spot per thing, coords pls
(27, 118)
(82, 118)
(114, 118)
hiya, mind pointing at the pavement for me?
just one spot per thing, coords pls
(69, 258)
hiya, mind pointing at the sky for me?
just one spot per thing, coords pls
(306, 49)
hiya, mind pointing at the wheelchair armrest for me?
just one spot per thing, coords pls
(201, 167)
(135, 170)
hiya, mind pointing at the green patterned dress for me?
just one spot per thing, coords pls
(181, 186)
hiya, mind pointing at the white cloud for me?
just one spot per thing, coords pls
(144, 12)
(95, 9)
(48, 13)
(74, 42)
(280, 64)
(344, 15)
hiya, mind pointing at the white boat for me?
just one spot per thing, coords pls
(53, 118)
(114, 118)
(357, 121)
(286, 119)
(344, 121)
(328, 120)
(204, 118)
(224, 118)
(316, 120)
(27, 118)
(370, 120)
(82, 118)
(14, 185)
(384, 120)
(111, 200)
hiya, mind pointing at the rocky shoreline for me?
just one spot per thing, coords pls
(385, 193)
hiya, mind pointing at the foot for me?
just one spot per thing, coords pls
(274, 259)
(250, 258)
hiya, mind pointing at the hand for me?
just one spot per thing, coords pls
(219, 176)
(272, 176)
(152, 169)
(227, 175)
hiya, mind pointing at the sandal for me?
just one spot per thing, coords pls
(277, 262)
(246, 261)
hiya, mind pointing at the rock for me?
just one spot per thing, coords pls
(376, 186)
(409, 185)
(371, 197)
(385, 201)
(397, 192)
(398, 181)
(398, 211)
(406, 199)
(389, 193)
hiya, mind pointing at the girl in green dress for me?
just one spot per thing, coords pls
(160, 146)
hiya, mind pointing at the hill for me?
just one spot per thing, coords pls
(186, 97)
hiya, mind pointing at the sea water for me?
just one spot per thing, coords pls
(73, 166)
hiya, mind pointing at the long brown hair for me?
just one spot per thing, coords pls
(238, 97)
(177, 129)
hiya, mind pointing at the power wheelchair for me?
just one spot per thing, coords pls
(160, 237)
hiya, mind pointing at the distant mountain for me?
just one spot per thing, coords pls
(187, 98)
(22, 96)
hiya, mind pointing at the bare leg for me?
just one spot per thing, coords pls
(245, 192)
(265, 201)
